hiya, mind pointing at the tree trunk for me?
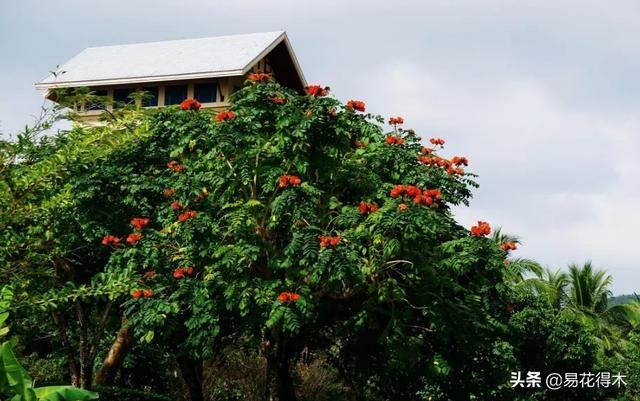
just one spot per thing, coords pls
(61, 325)
(279, 382)
(191, 370)
(107, 373)
(86, 363)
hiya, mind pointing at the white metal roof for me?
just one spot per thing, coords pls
(170, 60)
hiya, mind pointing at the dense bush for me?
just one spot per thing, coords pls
(291, 247)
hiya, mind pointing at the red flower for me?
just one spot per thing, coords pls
(294, 180)
(365, 207)
(175, 205)
(147, 293)
(190, 104)
(317, 90)
(324, 241)
(460, 160)
(225, 116)
(357, 105)
(189, 214)
(178, 274)
(110, 240)
(392, 139)
(277, 100)
(167, 192)
(286, 180)
(136, 294)
(288, 297)
(139, 223)
(437, 141)
(259, 77)
(482, 229)
(396, 120)
(509, 246)
(175, 166)
(426, 151)
(293, 297)
(402, 207)
(133, 238)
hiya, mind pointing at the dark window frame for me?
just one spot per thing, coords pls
(173, 98)
(212, 91)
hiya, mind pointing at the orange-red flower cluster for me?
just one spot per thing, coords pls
(288, 297)
(394, 140)
(403, 207)
(133, 238)
(259, 77)
(286, 180)
(437, 141)
(139, 223)
(396, 120)
(190, 104)
(332, 241)
(182, 272)
(141, 293)
(189, 214)
(110, 240)
(509, 246)
(175, 166)
(225, 116)
(356, 105)
(482, 229)
(444, 163)
(425, 197)
(460, 161)
(175, 205)
(365, 207)
(317, 90)
(426, 151)
(168, 192)
(278, 100)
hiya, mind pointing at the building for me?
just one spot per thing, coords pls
(207, 69)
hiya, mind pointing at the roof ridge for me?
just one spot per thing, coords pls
(187, 39)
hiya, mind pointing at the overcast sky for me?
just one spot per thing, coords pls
(543, 97)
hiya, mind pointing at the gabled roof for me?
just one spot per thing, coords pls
(167, 61)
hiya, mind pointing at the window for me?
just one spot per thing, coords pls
(205, 93)
(122, 97)
(174, 94)
(97, 100)
(150, 96)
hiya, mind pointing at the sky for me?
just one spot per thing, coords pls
(543, 97)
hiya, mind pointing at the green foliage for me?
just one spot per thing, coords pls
(16, 383)
(123, 394)
(256, 238)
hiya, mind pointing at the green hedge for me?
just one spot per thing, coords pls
(126, 394)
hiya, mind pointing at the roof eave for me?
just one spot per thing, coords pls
(138, 80)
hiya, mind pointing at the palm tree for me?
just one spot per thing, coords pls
(589, 294)
(552, 286)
